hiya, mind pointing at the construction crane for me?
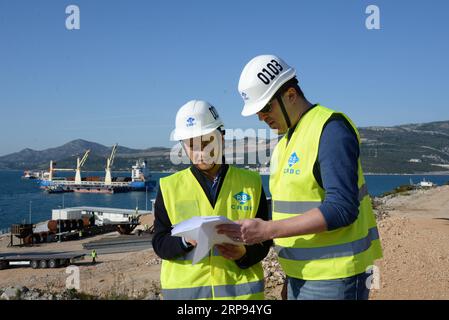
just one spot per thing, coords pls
(79, 165)
(109, 163)
(53, 169)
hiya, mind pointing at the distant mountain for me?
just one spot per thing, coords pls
(410, 148)
(65, 156)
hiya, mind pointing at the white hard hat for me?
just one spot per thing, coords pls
(196, 118)
(261, 79)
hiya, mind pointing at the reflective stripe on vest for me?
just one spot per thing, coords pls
(340, 250)
(298, 207)
(187, 293)
(294, 207)
(239, 289)
(189, 255)
(220, 291)
(363, 192)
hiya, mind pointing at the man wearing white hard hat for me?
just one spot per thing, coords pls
(323, 225)
(208, 188)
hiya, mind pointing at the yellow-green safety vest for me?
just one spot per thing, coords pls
(335, 254)
(214, 277)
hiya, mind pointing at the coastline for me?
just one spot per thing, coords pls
(431, 173)
(434, 173)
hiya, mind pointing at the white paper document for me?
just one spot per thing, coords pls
(202, 230)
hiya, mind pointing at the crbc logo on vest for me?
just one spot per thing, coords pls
(292, 161)
(242, 198)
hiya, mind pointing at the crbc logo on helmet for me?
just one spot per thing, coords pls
(272, 66)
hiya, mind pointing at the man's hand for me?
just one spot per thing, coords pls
(254, 230)
(231, 251)
(250, 231)
(233, 231)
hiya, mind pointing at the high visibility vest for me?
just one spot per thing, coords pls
(214, 277)
(335, 254)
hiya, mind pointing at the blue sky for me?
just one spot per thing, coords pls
(124, 74)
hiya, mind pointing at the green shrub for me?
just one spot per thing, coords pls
(399, 190)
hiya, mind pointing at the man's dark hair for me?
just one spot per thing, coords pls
(292, 83)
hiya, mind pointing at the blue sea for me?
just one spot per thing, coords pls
(18, 196)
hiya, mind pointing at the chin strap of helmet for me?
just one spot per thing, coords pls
(284, 111)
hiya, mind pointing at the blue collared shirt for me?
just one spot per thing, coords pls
(337, 172)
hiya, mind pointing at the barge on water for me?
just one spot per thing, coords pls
(139, 180)
(63, 186)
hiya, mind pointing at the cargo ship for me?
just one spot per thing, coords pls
(138, 181)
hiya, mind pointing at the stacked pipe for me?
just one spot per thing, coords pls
(68, 225)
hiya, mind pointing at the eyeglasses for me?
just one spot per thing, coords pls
(268, 107)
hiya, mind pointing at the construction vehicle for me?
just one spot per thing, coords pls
(40, 260)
